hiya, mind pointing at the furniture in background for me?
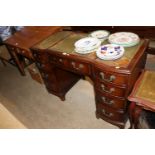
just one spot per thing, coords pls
(20, 42)
(5, 56)
(142, 98)
(61, 67)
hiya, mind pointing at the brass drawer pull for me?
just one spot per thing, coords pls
(73, 64)
(107, 91)
(111, 102)
(60, 60)
(77, 68)
(112, 77)
(81, 66)
(108, 114)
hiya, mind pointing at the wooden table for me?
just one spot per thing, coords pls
(19, 43)
(142, 97)
(61, 67)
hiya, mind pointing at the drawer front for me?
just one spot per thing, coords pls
(118, 79)
(110, 89)
(59, 61)
(44, 67)
(80, 67)
(113, 102)
(41, 57)
(109, 113)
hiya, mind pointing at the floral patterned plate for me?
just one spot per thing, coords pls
(87, 43)
(126, 39)
(100, 34)
(110, 52)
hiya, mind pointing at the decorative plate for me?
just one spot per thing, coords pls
(87, 43)
(86, 51)
(126, 39)
(110, 52)
(100, 34)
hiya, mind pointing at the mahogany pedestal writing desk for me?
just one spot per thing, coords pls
(20, 42)
(61, 67)
(142, 97)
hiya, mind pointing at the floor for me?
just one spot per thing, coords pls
(29, 105)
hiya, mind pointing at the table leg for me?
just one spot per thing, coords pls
(19, 64)
(137, 113)
(131, 114)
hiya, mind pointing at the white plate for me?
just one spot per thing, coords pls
(126, 39)
(85, 52)
(87, 43)
(100, 34)
(110, 52)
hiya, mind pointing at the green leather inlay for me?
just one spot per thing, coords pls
(67, 45)
(146, 89)
(53, 39)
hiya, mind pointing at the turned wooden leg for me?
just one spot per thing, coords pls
(131, 114)
(137, 113)
(17, 61)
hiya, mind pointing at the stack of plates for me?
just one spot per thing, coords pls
(110, 52)
(125, 39)
(87, 45)
(100, 34)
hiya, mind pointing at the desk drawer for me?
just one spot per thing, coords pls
(109, 113)
(110, 89)
(112, 102)
(80, 67)
(60, 61)
(119, 79)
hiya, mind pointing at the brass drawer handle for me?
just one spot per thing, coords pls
(108, 114)
(81, 66)
(73, 64)
(60, 60)
(107, 91)
(111, 102)
(112, 77)
(77, 68)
